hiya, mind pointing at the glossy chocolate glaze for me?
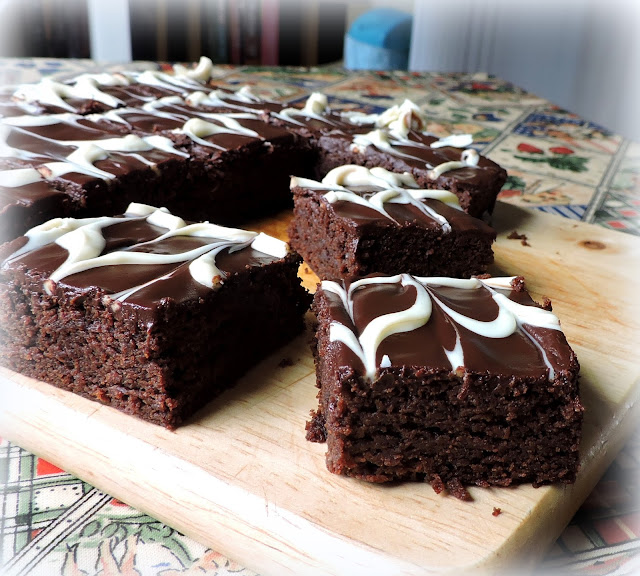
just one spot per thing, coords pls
(157, 282)
(517, 354)
(404, 214)
(415, 153)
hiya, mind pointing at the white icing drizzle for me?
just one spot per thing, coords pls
(84, 242)
(354, 175)
(198, 129)
(201, 73)
(53, 93)
(316, 107)
(167, 81)
(387, 141)
(359, 118)
(49, 232)
(227, 99)
(392, 191)
(366, 346)
(511, 316)
(455, 140)
(468, 158)
(19, 177)
(161, 102)
(86, 86)
(399, 120)
(87, 152)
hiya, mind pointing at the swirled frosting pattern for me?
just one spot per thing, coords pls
(364, 194)
(473, 325)
(141, 257)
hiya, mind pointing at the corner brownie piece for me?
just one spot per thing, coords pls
(145, 312)
(456, 382)
(359, 221)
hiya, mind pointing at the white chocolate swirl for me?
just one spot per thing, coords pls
(392, 191)
(87, 86)
(389, 142)
(511, 317)
(84, 243)
(87, 152)
(316, 107)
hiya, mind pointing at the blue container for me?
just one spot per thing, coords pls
(379, 40)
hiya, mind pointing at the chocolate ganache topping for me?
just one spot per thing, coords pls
(140, 258)
(378, 195)
(476, 325)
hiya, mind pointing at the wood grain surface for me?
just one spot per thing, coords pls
(241, 478)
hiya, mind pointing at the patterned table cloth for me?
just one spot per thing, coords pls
(55, 524)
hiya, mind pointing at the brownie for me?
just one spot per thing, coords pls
(191, 161)
(396, 140)
(26, 198)
(455, 382)
(474, 179)
(359, 221)
(145, 312)
(220, 147)
(94, 93)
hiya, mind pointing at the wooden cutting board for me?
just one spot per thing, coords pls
(241, 478)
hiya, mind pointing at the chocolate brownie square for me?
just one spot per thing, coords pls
(359, 221)
(455, 382)
(145, 312)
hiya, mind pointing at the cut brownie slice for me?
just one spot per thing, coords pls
(456, 382)
(396, 140)
(145, 312)
(359, 221)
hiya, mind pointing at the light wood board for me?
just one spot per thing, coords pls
(241, 478)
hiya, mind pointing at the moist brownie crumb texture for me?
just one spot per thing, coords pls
(358, 221)
(131, 310)
(457, 382)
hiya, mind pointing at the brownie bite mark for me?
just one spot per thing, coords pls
(456, 382)
(359, 221)
(145, 312)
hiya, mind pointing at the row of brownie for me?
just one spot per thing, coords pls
(181, 143)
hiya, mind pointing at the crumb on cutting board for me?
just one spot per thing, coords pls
(515, 235)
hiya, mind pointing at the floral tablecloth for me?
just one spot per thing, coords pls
(55, 524)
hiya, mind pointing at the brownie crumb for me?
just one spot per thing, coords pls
(315, 427)
(285, 362)
(496, 511)
(456, 489)
(516, 236)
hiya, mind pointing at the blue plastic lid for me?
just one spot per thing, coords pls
(384, 27)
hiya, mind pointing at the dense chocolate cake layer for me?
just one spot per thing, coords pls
(359, 221)
(145, 312)
(451, 381)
